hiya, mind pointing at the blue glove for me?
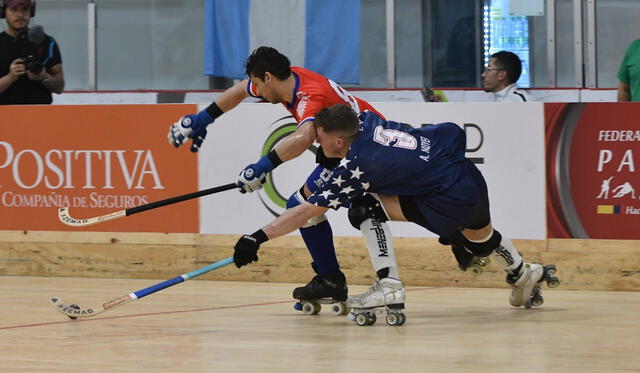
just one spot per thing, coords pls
(192, 126)
(254, 175)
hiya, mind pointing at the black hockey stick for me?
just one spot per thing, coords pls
(63, 212)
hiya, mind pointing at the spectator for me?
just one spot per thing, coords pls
(500, 77)
(629, 74)
(30, 61)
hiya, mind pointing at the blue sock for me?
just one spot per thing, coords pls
(319, 241)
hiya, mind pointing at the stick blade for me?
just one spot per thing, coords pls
(65, 218)
(73, 311)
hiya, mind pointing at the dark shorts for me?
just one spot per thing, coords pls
(464, 205)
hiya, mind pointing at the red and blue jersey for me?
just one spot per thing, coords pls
(314, 92)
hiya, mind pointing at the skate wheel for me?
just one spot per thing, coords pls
(553, 282)
(310, 308)
(403, 318)
(550, 269)
(476, 270)
(393, 319)
(371, 318)
(297, 306)
(339, 309)
(537, 301)
(362, 319)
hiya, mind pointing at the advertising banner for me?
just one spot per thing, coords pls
(592, 179)
(506, 141)
(95, 160)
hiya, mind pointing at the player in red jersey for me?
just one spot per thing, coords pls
(303, 93)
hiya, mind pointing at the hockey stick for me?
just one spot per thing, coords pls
(73, 311)
(63, 212)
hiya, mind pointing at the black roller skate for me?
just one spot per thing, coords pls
(322, 289)
(467, 261)
(526, 287)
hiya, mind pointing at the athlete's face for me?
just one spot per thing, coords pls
(332, 145)
(267, 87)
(493, 77)
(18, 16)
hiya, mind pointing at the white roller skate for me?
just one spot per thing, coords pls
(525, 289)
(386, 293)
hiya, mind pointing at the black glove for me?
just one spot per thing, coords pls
(324, 161)
(246, 249)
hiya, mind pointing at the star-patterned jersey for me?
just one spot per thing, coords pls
(314, 92)
(395, 159)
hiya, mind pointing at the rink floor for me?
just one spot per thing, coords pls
(207, 326)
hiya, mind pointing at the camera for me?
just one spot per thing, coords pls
(31, 40)
(32, 64)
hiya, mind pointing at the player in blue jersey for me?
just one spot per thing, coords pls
(393, 171)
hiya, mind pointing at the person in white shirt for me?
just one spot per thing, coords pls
(500, 77)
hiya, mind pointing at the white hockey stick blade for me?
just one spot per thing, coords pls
(63, 215)
(73, 311)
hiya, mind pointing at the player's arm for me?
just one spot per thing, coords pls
(194, 126)
(253, 176)
(624, 93)
(246, 249)
(53, 80)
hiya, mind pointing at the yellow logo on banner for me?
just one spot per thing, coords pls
(608, 209)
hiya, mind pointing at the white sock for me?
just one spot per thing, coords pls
(377, 237)
(507, 255)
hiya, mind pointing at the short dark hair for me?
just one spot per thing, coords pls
(509, 62)
(339, 119)
(267, 59)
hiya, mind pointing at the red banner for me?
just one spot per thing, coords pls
(95, 160)
(593, 155)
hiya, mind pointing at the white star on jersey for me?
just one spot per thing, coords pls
(339, 181)
(326, 194)
(334, 203)
(347, 190)
(343, 162)
(356, 173)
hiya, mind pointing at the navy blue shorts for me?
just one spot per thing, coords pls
(464, 205)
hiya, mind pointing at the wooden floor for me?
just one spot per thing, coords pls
(209, 326)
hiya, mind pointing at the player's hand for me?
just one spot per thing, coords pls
(192, 126)
(251, 178)
(245, 251)
(254, 175)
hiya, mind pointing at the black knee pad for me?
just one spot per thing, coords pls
(483, 249)
(366, 207)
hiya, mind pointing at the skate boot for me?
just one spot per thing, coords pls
(467, 261)
(387, 294)
(322, 289)
(525, 288)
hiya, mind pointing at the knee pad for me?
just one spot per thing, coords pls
(296, 199)
(366, 207)
(483, 249)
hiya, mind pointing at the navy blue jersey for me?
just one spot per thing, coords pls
(395, 159)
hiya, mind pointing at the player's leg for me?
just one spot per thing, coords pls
(318, 237)
(368, 215)
(522, 276)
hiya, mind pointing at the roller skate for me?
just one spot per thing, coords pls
(322, 289)
(526, 287)
(469, 262)
(384, 297)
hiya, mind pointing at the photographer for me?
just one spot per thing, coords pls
(30, 61)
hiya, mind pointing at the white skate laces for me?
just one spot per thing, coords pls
(384, 292)
(530, 275)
